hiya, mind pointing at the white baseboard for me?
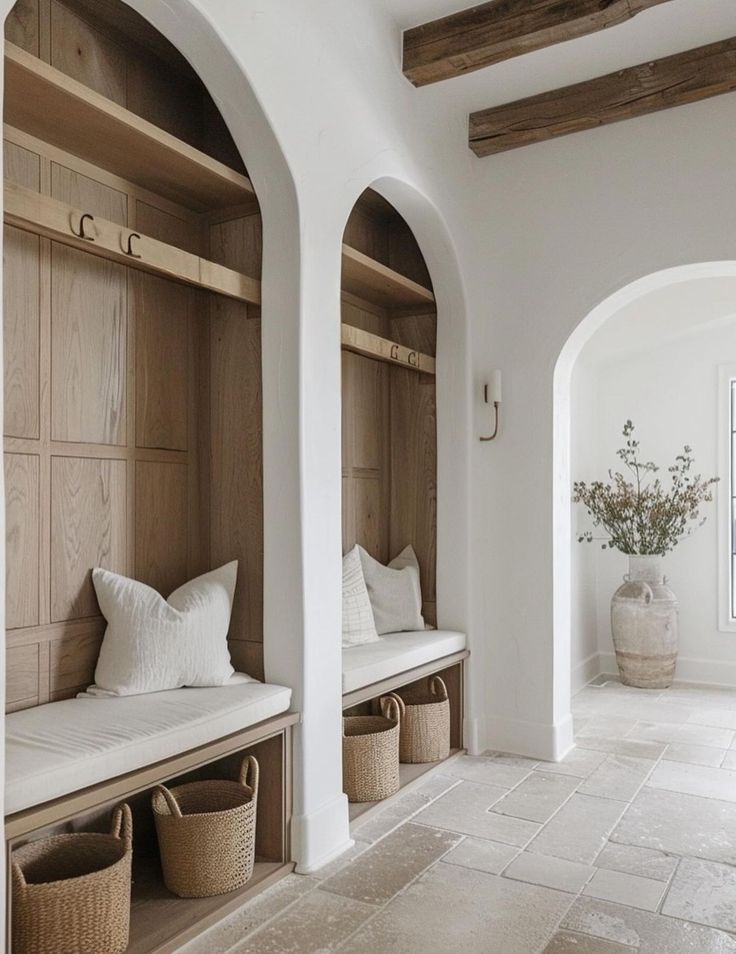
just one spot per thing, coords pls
(586, 671)
(536, 740)
(320, 837)
(689, 669)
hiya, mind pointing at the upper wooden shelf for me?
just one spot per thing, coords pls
(365, 277)
(46, 103)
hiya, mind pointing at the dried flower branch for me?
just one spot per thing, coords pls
(636, 512)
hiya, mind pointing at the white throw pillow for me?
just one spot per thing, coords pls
(152, 644)
(358, 626)
(395, 592)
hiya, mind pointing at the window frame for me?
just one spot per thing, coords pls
(726, 496)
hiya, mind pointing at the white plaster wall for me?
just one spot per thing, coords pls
(670, 389)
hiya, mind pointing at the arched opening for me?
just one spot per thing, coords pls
(394, 437)
(672, 311)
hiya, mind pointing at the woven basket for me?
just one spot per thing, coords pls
(71, 893)
(425, 722)
(207, 833)
(370, 754)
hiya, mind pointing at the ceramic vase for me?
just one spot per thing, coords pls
(644, 624)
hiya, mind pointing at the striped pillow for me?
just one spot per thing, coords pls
(358, 625)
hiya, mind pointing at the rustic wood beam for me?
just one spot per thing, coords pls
(501, 29)
(672, 81)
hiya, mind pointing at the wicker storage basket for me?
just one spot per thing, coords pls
(71, 893)
(425, 722)
(370, 754)
(207, 833)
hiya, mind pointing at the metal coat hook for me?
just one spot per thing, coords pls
(129, 249)
(395, 352)
(412, 359)
(81, 233)
(495, 390)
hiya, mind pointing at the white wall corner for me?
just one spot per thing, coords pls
(536, 740)
(319, 837)
(587, 670)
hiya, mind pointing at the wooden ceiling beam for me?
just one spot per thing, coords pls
(672, 81)
(495, 31)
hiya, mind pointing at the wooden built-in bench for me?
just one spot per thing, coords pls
(397, 662)
(164, 737)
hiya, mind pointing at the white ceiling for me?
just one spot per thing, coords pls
(665, 29)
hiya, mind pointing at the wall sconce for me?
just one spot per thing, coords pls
(492, 395)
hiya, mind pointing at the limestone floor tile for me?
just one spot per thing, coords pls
(342, 861)
(459, 909)
(724, 718)
(565, 942)
(694, 780)
(646, 932)
(668, 732)
(681, 824)
(729, 759)
(644, 862)
(694, 754)
(489, 856)
(465, 809)
(550, 872)
(607, 726)
(619, 777)
(253, 915)
(637, 892)
(491, 769)
(700, 697)
(315, 925)
(703, 891)
(580, 762)
(538, 797)
(387, 867)
(637, 748)
(436, 784)
(579, 829)
(389, 818)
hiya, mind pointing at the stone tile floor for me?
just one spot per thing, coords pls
(627, 845)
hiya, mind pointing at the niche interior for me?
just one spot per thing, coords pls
(389, 440)
(132, 337)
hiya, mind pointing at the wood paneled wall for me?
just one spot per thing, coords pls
(132, 403)
(389, 432)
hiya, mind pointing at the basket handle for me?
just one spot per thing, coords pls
(122, 825)
(389, 706)
(170, 800)
(393, 697)
(19, 879)
(438, 688)
(249, 768)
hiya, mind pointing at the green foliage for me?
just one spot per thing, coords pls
(636, 512)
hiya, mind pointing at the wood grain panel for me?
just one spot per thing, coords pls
(88, 348)
(238, 244)
(369, 380)
(164, 99)
(247, 656)
(236, 482)
(348, 524)
(167, 227)
(21, 166)
(375, 320)
(371, 517)
(86, 54)
(414, 471)
(368, 234)
(73, 661)
(21, 328)
(162, 311)
(22, 26)
(70, 186)
(22, 686)
(22, 515)
(161, 525)
(88, 529)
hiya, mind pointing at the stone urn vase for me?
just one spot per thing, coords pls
(644, 624)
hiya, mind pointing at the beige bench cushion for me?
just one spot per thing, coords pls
(62, 747)
(396, 653)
